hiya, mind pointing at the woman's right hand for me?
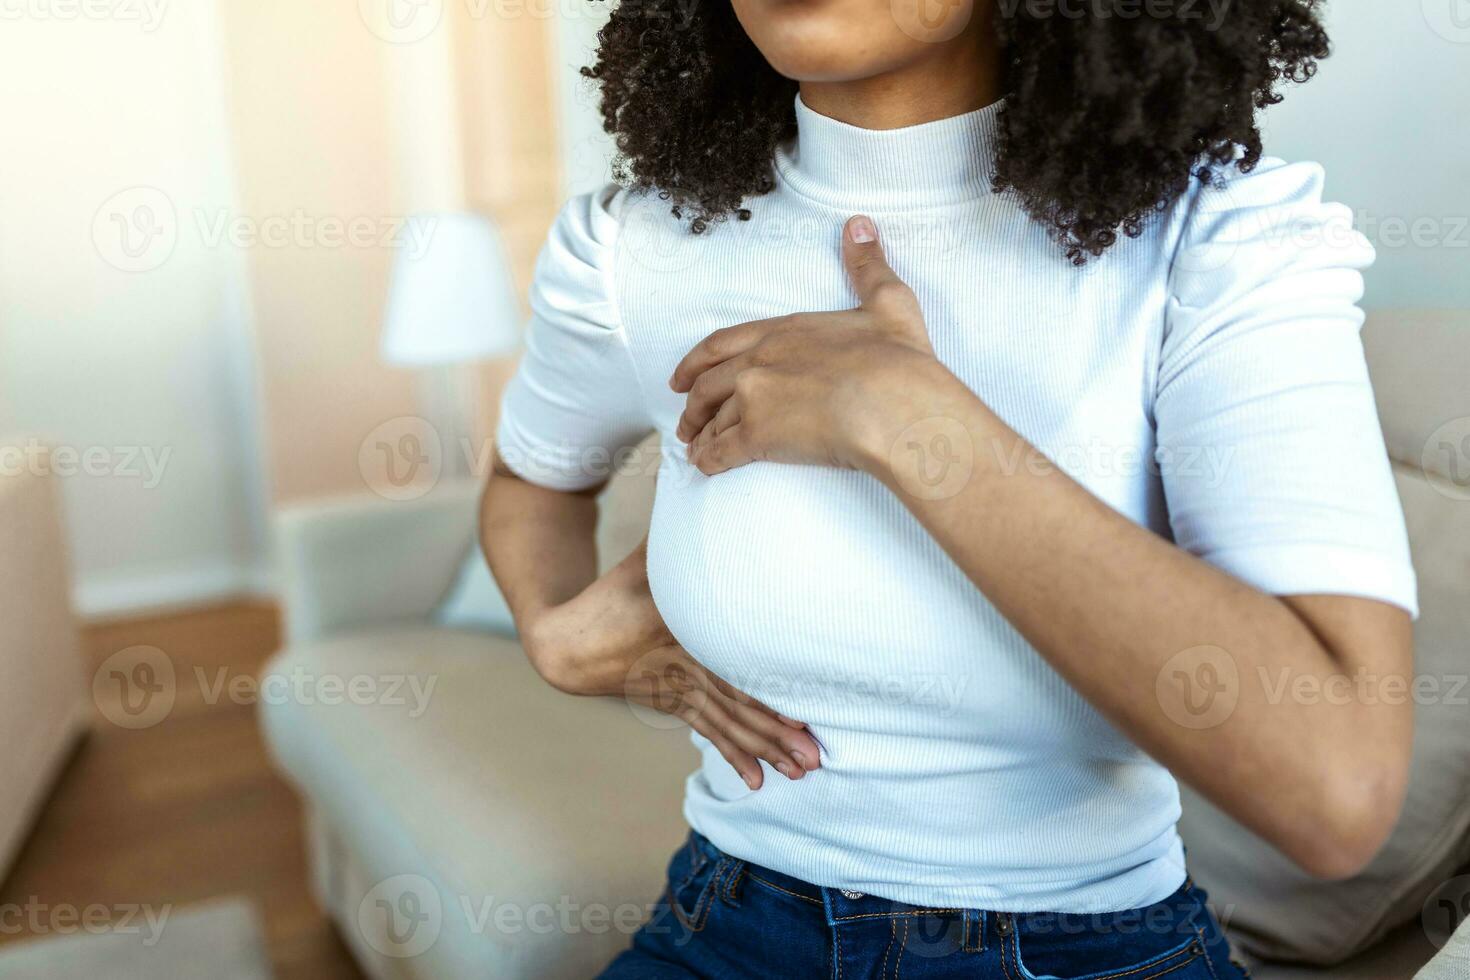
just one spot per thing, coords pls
(611, 641)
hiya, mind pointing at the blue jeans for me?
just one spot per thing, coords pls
(725, 918)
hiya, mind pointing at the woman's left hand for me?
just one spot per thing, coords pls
(825, 388)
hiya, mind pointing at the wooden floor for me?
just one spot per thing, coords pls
(185, 810)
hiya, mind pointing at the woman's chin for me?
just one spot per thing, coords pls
(826, 40)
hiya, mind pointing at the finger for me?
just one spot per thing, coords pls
(793, 734)
(710, 390)
(743, 762)
(721, 345)
(723, 420)
(743, 728)
(757, 733)
(712, 454)
(799, 746)
(867, 266)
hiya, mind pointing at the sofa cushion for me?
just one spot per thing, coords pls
(511, 794)
(474, 601)
(1274, 910)
(1418, 359)
(1399, 956)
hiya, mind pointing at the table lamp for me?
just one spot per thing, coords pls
(451, 301)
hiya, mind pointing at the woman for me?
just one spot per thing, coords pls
(1031, 465)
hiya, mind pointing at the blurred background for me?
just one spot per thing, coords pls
(261, 255)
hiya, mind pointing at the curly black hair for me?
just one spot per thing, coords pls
(1110, 105)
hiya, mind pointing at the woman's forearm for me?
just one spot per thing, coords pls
(1200, 669)
(540, 544)
(587, 635)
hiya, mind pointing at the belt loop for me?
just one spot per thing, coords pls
(697, 856)
(734, 877)
(974, 932)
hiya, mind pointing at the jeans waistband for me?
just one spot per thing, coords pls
(845, 905)
(840, 905)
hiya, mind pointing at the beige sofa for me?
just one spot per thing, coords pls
(44, 702)
(494, 828)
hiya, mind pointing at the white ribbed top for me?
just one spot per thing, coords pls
(1205, 379)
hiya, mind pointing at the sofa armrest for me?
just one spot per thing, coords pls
(45, 700)
(366, 560)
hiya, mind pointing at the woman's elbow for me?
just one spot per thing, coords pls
(1358, 812)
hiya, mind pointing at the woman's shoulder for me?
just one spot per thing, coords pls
(597, 219)
(1253, 224)
(595, 226)
(1215, 187)
(587, 226)
(574, 272)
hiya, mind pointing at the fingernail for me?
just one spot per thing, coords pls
(785, 770)
(861, 230)
(749, 779)
(800, 760)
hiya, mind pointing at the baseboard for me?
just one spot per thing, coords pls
(114, 594)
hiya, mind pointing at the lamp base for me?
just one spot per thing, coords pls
(450, 396)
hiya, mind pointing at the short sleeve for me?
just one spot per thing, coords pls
(575, 399)
(1268, 442)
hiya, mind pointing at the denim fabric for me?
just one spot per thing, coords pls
(726, 918)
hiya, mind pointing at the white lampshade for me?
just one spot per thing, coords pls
(451, 298)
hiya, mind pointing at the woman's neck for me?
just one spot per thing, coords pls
(948, 79)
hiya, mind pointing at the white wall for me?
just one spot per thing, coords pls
(145, 374)
(1388, 115)
(586, 149)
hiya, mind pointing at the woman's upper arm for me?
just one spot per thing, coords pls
(575, 399)
(1262, 376)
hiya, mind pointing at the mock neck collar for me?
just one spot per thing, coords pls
(947, 161)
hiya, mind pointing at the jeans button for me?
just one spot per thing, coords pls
(848, 893)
